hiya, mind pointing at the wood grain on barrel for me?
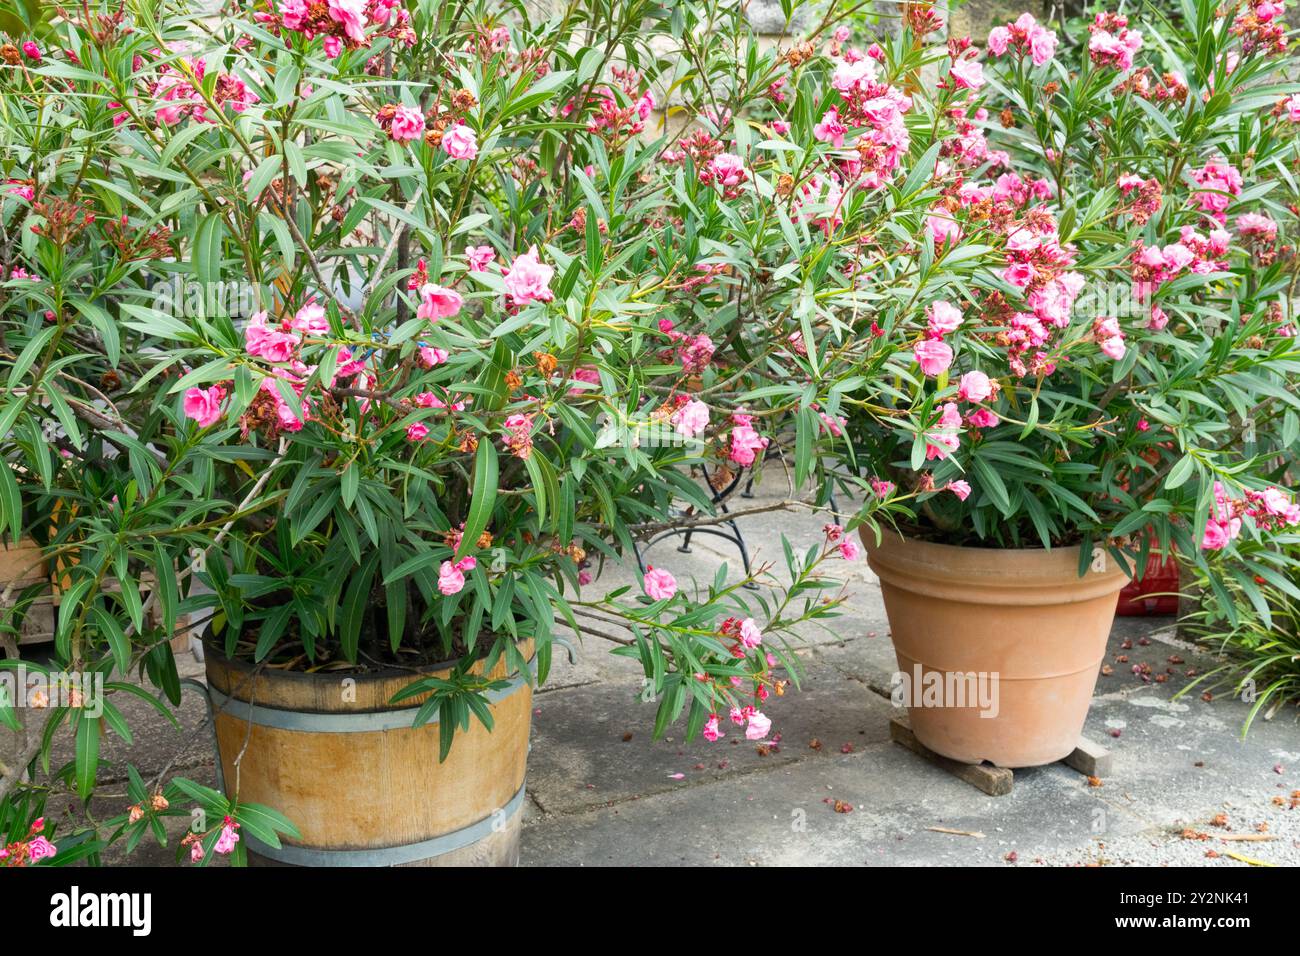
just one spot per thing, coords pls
(367, 789)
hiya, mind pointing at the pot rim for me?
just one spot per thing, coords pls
(1025, 576)
(912, 540)
(386, 673)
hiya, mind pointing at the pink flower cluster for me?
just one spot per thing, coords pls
(943, 437)
(836, 538)
(726, 170)
(1224, 522)
(1109, 337)
(180, 98)
(1144, 195)
(404, 125)
(608, 117)
(1039, 264)
(878, 109)
(451, 575)
(1253, 226)
(519, 435)
(1112, 43)
(1193, 252)
(1025, 36)
(1271, 509)
(204, 404)
(437, 303)
(528, 280)
(342, 23)
(745, 443)
(34, 848)
(691, 417)
(279, 343)
(1220, 182)
(459, 142)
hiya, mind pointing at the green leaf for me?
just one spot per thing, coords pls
(483, 497)
(11, 502)
(87, 756)
(1180, 472)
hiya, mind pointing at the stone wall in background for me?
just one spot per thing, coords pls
(975, 18)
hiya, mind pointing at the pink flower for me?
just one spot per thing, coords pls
(407, 124)
(999, 39)
(268, 342)
(430, 356)
(310, 320)
(1113, 347)
(1215, 536)
(942, 440)
(854, 76)
(287, 419)
(332, 46)
(352, 14)
(974, 387)
(849, 549)
(1042, 46)
(1223, 524)
(944, 317)
(1019, 274)
(451, 579)
(691, 419)
(758, 726)
(1254, 224)
(40, 849)
(933, 356)
(438, 303)
(959, 488)
(729, 169)
(226, 842)
(881, 488)
(527, 279)
(659, 584)
(750, 635)
(1110, 337)
(459, 142)
(32, 51)
(830, 129)
(968, 74)
(943, 229)
(196, 852)
(479, 257)
(711, 731)
(745, 443)
(696, 352)
(204, 404)
(417, 432)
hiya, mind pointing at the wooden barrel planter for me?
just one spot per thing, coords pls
(362, 785)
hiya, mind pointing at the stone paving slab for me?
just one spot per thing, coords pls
(780, 817)
(581, 759)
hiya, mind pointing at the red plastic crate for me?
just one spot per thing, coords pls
(1139, 597)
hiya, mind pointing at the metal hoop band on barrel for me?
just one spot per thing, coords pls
(392, 855)
(338, 723)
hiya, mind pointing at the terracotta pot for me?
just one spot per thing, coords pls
(1013, 637)
(362, 785)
